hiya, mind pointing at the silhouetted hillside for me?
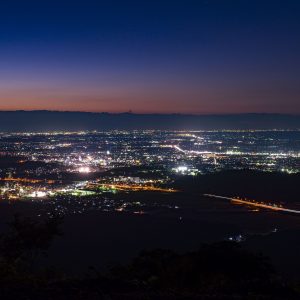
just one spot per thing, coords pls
(217, 271)
(20, 121)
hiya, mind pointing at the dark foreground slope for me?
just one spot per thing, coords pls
(46, 120)
(217, 271)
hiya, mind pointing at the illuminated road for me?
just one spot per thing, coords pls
(27, 180)
(134, 188)
(178, 148)
(255, 204)
(191, 151)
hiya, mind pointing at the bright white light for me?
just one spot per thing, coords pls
(182, 169)
(84, 170)
(38, 194)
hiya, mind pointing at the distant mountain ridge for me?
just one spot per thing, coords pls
(43, 120)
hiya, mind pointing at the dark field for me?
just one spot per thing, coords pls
(179, 221)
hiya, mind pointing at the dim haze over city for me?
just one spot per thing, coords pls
(150, 150)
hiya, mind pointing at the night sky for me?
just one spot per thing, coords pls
(150, 56)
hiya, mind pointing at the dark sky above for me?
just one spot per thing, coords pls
(150, 56)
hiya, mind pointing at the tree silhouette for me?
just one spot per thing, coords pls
(26, 240)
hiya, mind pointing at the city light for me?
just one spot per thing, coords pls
(84, 170)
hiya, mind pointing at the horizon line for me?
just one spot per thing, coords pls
(150, 113)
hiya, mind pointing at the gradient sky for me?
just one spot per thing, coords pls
(150, 56)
